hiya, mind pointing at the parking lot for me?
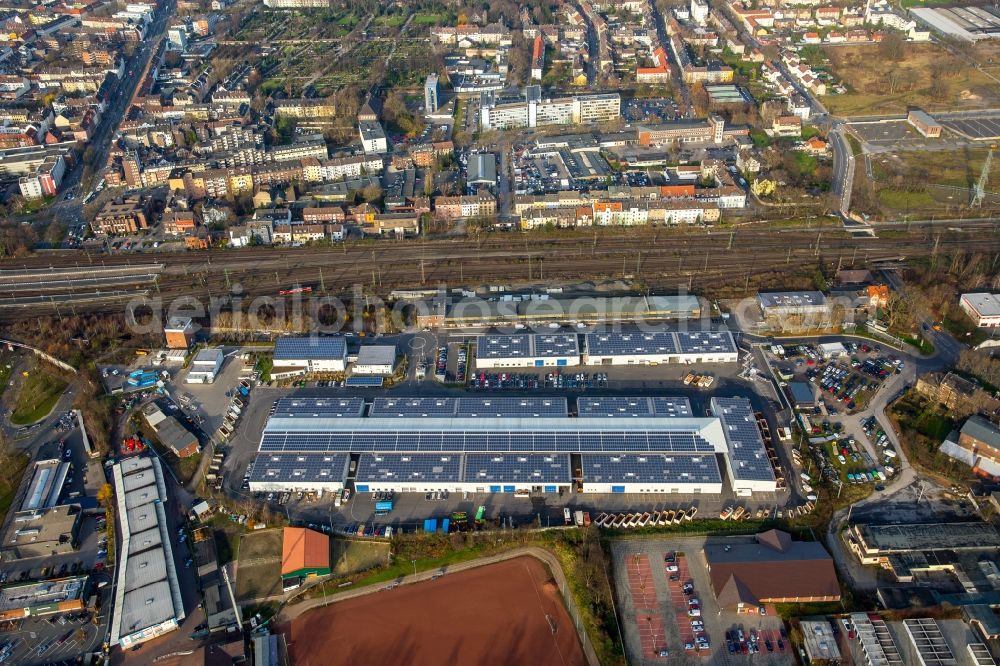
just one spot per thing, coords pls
(887, 131)
(981, 128)
(650, 110)
(61, 636)
(673, 588)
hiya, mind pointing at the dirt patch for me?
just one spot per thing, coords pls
(258, 568)
(495, 614)
(896, 87)
(348, 557)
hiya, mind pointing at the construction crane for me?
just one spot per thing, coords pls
(980, 193)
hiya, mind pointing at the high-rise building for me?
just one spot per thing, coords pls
(431, 101)
(132, 169)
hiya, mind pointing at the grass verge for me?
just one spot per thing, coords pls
(39, 393)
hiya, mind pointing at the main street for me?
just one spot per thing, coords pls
(70, 211)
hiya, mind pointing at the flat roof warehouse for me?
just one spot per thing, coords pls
(499, 445)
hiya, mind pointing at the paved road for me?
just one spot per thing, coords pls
(71, 211)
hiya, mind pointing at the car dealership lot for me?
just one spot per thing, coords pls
(674, 604)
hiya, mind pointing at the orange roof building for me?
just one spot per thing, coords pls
(304, 553)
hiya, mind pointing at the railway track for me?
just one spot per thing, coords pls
(664, 259)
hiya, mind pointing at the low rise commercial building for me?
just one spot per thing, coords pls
(147, 598)
(527, 350)
(42, 532)
(772, 569)
(375, 360)
(310, 354)
(904, 549)
(982, 308)
(20, 601)
(653, 348)
(205, 366)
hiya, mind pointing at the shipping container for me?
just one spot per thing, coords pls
(382, 508)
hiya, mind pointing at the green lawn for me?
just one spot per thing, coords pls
(393, 21)
(429, 19)
(39, 393)
(10, 480)
(901, 199)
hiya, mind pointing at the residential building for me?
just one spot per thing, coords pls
(431, 93)
(464, 207)
(122, 216)
(373, 138)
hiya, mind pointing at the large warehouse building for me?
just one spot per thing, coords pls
(148, 599)
(511, 445)
(526, 350)
(659, 347)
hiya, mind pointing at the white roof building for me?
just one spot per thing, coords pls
(148, 600)
(982, 308)
(375, 360)
(205, 366)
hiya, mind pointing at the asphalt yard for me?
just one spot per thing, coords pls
(981, 128)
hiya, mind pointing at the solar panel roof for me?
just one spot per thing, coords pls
(695, 342)
(747, 454)
(639, 344)
(299, 467)
(364, 382)
(659, 343)
(615, 406)
(470, 406)
(638, 468)
(516, 468)
(503, 346)
(409, 467)
(527, 345)
(319, 407)
(309, 348)
(495, 440)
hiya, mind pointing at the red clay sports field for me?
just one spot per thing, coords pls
(509, 613)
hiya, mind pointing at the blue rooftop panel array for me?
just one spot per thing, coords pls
(638, 344)
(299, 467)
(702, 342)
(503, 406)
(363, 382)
(653, 468)
(610, 441)
(309, 348)
(516, 468)
(616, 406)
(527, 345)
(319, 407)
(417, 468)
(747, 454)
